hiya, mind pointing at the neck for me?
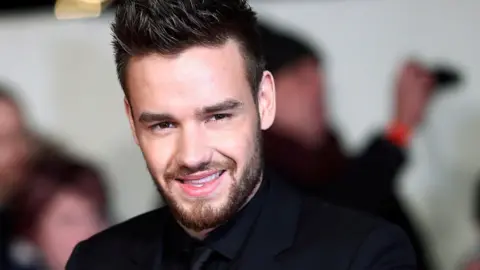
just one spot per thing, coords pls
(198, 235)
(201, 235)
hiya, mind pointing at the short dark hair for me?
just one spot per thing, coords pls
(168, 27)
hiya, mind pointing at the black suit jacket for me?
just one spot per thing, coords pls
(293, 232)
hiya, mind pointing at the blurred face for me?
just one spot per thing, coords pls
(69, 219)
(300, 101)
(196, 122)
(13, 144)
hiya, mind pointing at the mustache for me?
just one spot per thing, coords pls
(179, 171)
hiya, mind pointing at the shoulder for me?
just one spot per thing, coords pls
(323, 216)
(119, 240)
(135, 228)
(364, 239)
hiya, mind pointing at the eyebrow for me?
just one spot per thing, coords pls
(147, 117)
(226, 105)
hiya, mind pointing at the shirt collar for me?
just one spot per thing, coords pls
(227, 239)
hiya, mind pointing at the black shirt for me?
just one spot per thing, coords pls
(227, 241)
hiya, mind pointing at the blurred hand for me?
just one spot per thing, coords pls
(414, 87)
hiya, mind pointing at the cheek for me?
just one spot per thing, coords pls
(158, 153)
(236, 144)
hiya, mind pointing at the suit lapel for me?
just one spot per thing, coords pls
(275, 229)
(146, 250)
(273, 232)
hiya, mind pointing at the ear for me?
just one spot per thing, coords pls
(266, 100)
(131, 120)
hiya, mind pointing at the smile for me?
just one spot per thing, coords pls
(202, 181)
(200, 185)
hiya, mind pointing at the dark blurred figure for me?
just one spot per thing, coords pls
(14, 143)
(63, 203)
(303, 146)
(19, 149)
(15, 153)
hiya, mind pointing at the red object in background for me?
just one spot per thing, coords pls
(399, 134)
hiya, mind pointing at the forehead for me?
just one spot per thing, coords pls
(198, 76)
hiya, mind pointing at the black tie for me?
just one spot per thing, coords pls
(200, 256)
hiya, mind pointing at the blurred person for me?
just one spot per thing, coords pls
(197, 96)
(303, 142)
(64, 202)
(19, 147)
(15, 152)
(305, 147)
(14, 148)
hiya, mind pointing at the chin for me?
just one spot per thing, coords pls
(202, 214)
(212, 204)
(215, 202)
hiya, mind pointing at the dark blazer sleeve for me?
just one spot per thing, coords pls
(77, 259)
(385, 248)
(369, 179)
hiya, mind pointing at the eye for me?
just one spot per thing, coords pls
(162, 125)
(219, 116)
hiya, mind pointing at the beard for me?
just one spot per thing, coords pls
(202, 216)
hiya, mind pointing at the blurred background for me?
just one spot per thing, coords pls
(63, 74)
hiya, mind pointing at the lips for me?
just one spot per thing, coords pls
(201, 184)
(203, 179)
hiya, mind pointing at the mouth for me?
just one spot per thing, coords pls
(202, 184)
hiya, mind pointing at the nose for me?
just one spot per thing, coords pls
(193, 150)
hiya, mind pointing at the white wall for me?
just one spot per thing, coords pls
(66, 73)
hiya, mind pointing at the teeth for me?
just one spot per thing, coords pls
(201, 182)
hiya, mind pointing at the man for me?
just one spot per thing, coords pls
(198, 96)
(304, 147)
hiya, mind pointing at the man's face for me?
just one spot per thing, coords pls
(195, 119)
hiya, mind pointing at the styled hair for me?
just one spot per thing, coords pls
(169, 27)
(51, 174)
